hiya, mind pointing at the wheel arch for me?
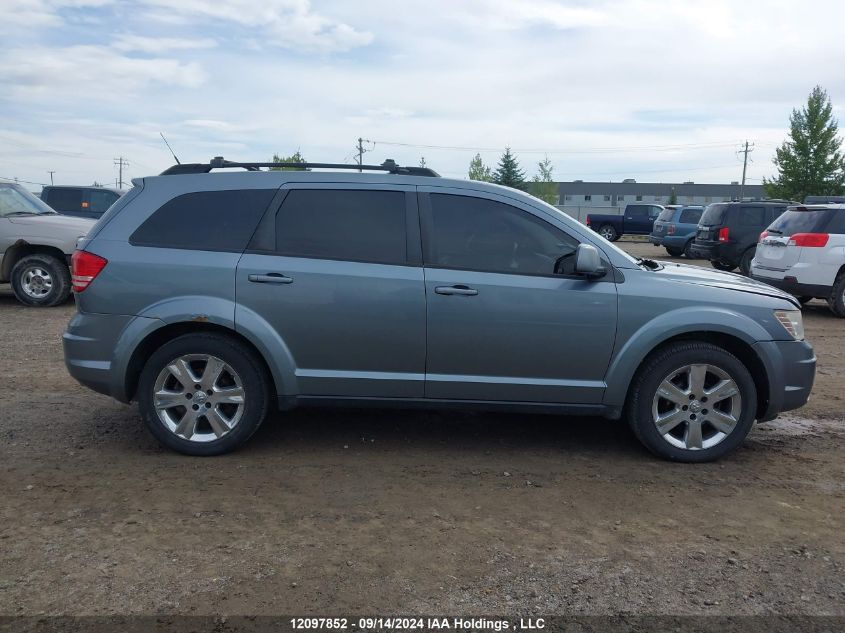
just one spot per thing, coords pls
(731, 331)
(21, 249)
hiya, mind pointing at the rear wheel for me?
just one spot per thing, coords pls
(724, 267)
(674, 252)
(41, 280)
(804, 300)
(745, 261)
(203, 394)
(688, 250)
(608, 232)
(692, 402)
(836, 300)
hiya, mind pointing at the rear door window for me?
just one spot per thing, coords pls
(752, 216)
(205, 220)
(713, 215)
(343, 224)
(690, 216)
(65, 199)
(637, 213)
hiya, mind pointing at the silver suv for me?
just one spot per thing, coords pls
(212, 298)
(35, 247)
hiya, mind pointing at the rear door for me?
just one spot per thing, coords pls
(336, 273)
(774, 251)
(636, 219)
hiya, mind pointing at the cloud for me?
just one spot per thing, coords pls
(290, 24)
(139, 43)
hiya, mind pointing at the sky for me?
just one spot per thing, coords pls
(659, 91)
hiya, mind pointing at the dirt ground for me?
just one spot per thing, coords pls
(385, 512)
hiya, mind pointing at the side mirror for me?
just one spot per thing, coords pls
(588, 262)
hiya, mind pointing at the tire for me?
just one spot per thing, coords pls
(836, 300)
(608, 232)
(194, 357)
(717, 437)
(688, 250)
(723, 267)
(41, 280)
(674, 252)
(745, 261)
(804, 300)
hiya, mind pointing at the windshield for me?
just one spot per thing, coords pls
(666, 215)
(804, 221)
(713, 214)
(15, 200)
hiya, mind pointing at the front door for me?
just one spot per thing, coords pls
(508, 320)
(337, 275)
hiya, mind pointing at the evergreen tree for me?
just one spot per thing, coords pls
(543, 185)
(809, 162)
(295, 158)
(508, 172)
(478, 170)
(673, 197)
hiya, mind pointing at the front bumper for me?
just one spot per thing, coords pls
(793, 286)
(791, 370)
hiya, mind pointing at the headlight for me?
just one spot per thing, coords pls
(792, 322)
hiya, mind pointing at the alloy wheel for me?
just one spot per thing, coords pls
(199, 397)
(697, 406)
(36, 282)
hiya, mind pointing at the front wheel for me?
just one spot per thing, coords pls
(674, 252)
(203, 394)
(41, 280)
(608, 232)
(692, 402)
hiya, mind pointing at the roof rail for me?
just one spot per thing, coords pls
(219, 162)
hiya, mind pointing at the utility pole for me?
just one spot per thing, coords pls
(748, 148)
(51, 172)
(121, 163)
(360, 149)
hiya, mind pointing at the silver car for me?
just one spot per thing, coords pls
(36, 244)
(212, 298)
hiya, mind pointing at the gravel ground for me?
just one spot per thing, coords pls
(414, 512)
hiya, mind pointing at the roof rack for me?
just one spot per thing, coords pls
(219, 162)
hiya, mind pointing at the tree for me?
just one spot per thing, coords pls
(295, 158)
(809, 162)
(673, 197)
(508, 172)
(478, 170)
(543, 185)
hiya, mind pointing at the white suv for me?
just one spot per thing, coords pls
(803, 252)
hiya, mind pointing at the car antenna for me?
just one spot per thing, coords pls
(176, 158)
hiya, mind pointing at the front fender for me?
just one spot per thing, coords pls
(688, 320)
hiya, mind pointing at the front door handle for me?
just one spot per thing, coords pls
(465, 291)
(271, 278)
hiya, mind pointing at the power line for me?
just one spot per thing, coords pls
(28, 182)
(589, 150)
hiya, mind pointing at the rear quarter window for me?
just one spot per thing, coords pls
(205, 220)
(690, 216)
(752, 216)
(837, 222)
(666, 215)
(713, 214)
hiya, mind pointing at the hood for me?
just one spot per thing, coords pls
(684, 273)
(80, 226)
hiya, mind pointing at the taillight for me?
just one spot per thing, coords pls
(587, 221)
(84, 267)
(671, 229)
(812, 240)
(723, 234)
(763, 236)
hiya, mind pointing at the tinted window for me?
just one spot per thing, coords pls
(478, 234)
(638, 213)
(713, 214)
(666, 215)
(810, 221)
(65, 199)
(100, 200)
(837, 221)
(653, 212)
(205, 221)
(355, 225)
(752, 216)
(690, 216)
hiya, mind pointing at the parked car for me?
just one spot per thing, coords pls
(211, 298)
(83, 202)
(728, 231)
(675, 228)
(637, 219)
(803, 252)
(35, 246)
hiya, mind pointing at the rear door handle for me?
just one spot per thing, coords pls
(271, 278)
(465, 291)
